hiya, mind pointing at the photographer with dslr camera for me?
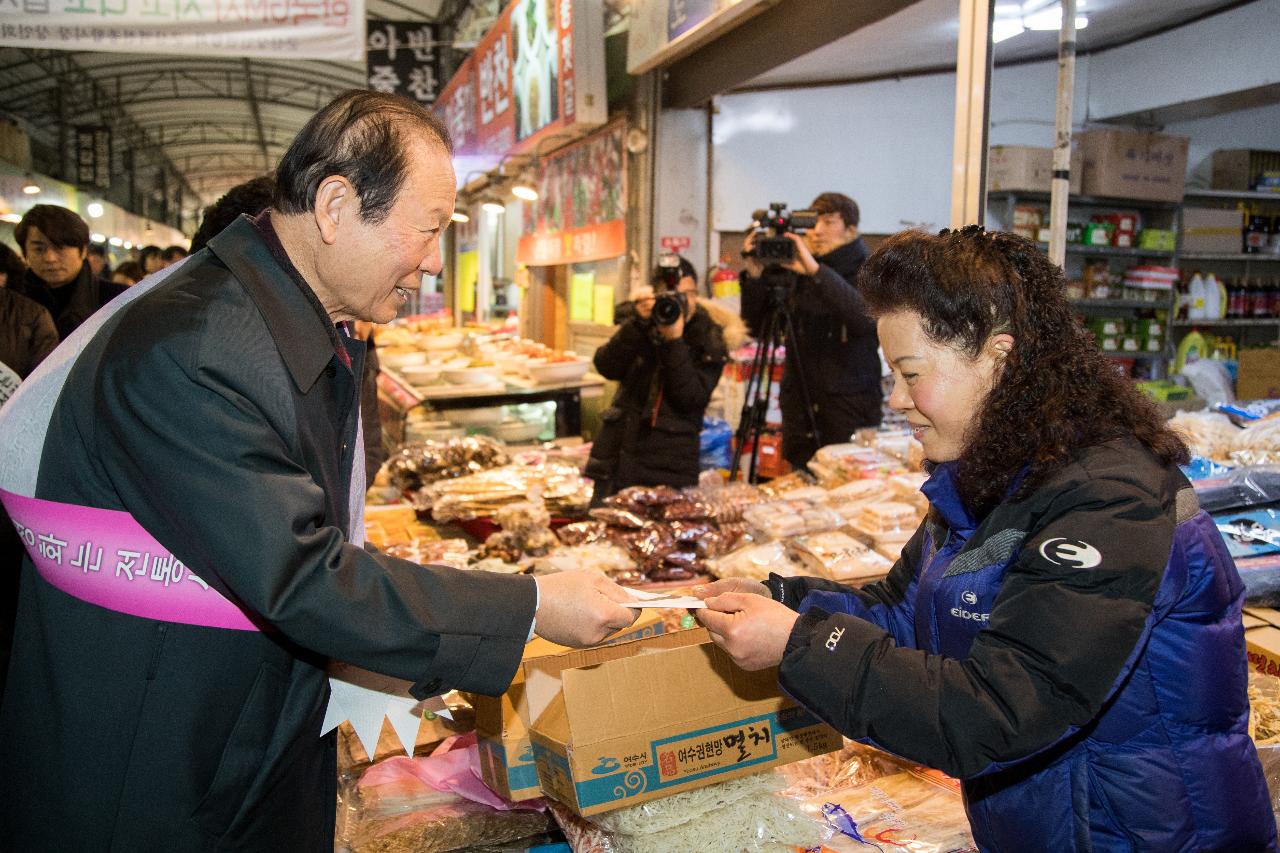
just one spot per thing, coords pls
(834, 351)
(667, 359)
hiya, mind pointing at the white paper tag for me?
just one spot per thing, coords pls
(660, 600)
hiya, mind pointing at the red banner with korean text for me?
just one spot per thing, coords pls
(580, 212)
(538, 72)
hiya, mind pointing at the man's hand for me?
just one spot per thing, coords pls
(751, 628)
(580, 608)
(720, 587)
(673, 332)
(804, 263)
(754, 267)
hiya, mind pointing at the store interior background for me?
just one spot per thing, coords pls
(865, 107)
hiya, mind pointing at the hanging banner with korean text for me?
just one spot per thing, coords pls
(580, 214)
(538, 72)
(93, 156)
(279, 29)
(401, 58)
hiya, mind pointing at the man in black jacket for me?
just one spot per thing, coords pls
(666, 374)
(211, 413)
(55, 243)
(835, 350)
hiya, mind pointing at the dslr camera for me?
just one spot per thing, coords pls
(669, 305)
(770, 226)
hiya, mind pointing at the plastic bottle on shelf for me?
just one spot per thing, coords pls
(1196, 298)
(1234, 297)
(1191, 348)
(1213, 298)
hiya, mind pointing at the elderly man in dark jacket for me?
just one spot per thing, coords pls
(835, 348)
(211, 417)
(666, 374)
(55, 243)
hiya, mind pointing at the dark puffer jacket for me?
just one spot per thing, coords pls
(1076, 658)
(651, 432)
(27, 333)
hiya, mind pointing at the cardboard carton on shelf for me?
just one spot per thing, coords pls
(1239, 169)
(502, 722)
(1259, 374)
(1206, 229)
(1027, 168)
(1131, 164)
(624, 724)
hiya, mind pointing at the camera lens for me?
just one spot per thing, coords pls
(668, 308)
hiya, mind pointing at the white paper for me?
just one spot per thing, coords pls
(660, 600)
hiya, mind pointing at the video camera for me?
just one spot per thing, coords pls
(670, 304)
(771, 224)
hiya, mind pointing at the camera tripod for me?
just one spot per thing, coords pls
(777, 329)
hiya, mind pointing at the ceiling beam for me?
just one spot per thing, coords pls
(751, 49)
(257, 115)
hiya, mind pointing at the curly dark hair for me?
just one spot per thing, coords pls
(1055, 394)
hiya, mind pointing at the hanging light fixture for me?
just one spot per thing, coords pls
(31, 187)
(524, 192)
(95, 237)
(493, 206)
(459, 216)
(95, 209)
(11, 217)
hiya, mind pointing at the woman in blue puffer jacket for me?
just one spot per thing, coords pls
(1063, 631)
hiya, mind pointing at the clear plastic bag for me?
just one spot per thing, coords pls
(745, 815)
(391, 809)
(1240, 487)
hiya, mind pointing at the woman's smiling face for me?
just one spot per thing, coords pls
(939, 388)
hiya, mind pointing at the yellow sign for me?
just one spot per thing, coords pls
(582, 297)
(603, 313)
(468, 273)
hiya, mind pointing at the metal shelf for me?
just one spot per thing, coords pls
(1230, 256)
(1109, 304)
(1137, 356)
(1093, 200)
(1237, 195)
(1229, 321)
(1113, 251)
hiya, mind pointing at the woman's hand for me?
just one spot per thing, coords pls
(751, 628)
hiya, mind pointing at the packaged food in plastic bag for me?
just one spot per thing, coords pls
(837, 556)
(430, 804)
(1240, 487)
(903, 810)
(744, 815)
(755, 562)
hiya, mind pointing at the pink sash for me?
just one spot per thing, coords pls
(106, 558)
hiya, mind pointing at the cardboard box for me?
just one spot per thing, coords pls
(1206, 229)
(1240, 168)
(624, 724)
(502, 722)
(1134, 165)
(1259, 374)
(1027, 168)
(1262, 639)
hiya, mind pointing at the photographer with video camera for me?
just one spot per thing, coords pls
(832, 357)
(667, 358)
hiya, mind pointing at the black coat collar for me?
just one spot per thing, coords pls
(301, 330)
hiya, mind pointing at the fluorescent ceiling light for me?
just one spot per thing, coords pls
(1051, 19)
(95, 237)
(116, 241)
(11, 217)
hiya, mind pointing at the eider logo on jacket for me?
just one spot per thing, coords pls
(1071, 552)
